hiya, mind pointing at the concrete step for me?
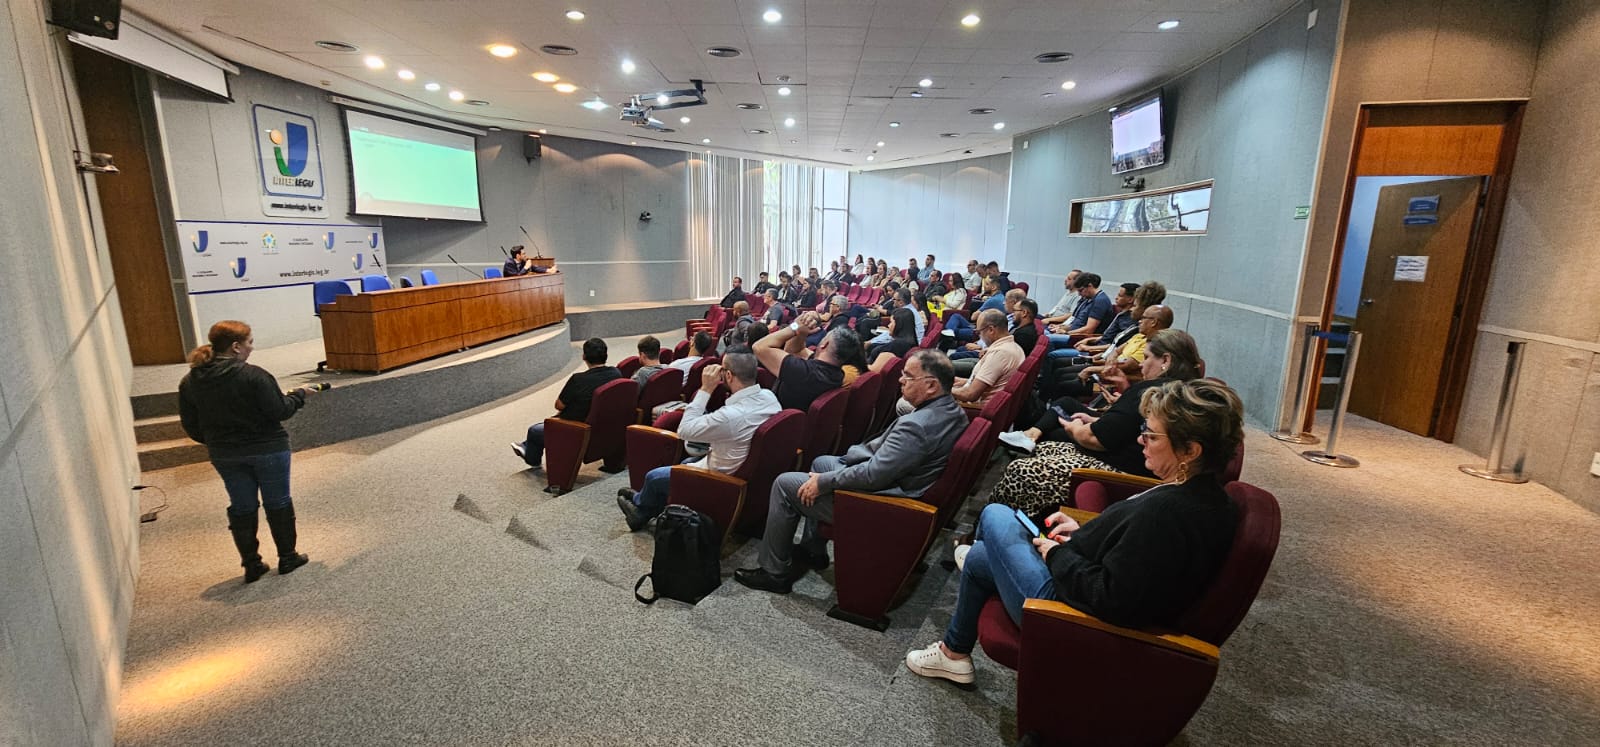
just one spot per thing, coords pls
(166, 428)
(155, 405)
(174, 452)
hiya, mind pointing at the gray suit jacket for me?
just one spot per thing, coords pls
(907, 458)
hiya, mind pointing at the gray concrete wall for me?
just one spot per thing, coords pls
(1251, 119)
(955, 211)
(68, 519)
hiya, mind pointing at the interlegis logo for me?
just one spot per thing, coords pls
(372, 240)
(357, 261)
(327, 241)
(238, 267)
(200, 240)
(297, 142)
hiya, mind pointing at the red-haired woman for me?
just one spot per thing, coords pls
(237, 411)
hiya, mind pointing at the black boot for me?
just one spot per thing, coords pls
(281, 522)
(244, 538)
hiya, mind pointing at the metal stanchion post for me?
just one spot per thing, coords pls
(1330, 456)
(1502, 423)
(1291, 431)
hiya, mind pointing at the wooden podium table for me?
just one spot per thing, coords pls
(381, 330)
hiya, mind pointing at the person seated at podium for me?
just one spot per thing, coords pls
(574, 400)
(727, 432)
(519, 263)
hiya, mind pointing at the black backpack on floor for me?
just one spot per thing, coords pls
(688, 561)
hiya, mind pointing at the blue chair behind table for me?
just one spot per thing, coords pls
(492, 272)
(405, 282)
(324, 291)
(371, 283)
(428, 278)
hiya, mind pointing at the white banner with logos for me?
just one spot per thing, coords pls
(228, 255)
(289, 157)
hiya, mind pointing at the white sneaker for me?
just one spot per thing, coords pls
(961, 556)
(931, 662)
(519, 450)
(948, 333)
(1017, 441)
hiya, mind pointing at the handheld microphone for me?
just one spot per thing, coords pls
(320, 386)
(458, 264)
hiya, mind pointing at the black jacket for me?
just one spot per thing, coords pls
(236, 409)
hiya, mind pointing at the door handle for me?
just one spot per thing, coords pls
(1366, 302)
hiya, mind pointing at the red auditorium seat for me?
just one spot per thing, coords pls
(931, 338)
(739, 500)
(691, 382)
(1022, 285)
(629, 366)
(823, 422)
(879, 539)
(1095, 490)
(663, 386)
(570, 444)
(862, 413)
(766, 378)
(648, 448)
(712, 323)
(679, 351)
(666, 356)
(1148, 683)
(888, 394)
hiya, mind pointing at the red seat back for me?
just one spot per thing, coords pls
(629, 366)
(719, 397)
(610, 414)
(772, 453)
(931, 338)
(691, 383)
(664, 386)
(823, 421)
(1215, 615)
(679, 351)
(863, 410)
(950, 490)
(890, 391)
(766, 378)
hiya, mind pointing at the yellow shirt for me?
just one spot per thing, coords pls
(1133, 349)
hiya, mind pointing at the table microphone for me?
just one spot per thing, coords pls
(458, 264)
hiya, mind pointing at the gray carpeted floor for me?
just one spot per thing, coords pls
(1408, 604)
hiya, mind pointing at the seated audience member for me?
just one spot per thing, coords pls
(1071, 438)
(1023, 313)
(727, 432)
(1062, 364)
(801, 378)
(963, 330)
(833, 272)
(775, 309)
(1068, 305)
(1140, 564)
(1093, 316)
(926, 276)
(884, 276)
(1000, 359)
(815, 279)
(1002, 280)
(788, 290)
(649, 359)
(574, 400)
(831, 319)
(956, 298)
(762, 284)
(808, 296)
(974, 279)
(1078, 380)
(741, 319)
(519, 263)
(859, 268)
(1122, 306)
(905, 461)
(902, 330)
(750, 335)
(700, 346)
(913, 273)
(734, 296)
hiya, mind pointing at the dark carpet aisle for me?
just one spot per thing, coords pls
(1408, 604)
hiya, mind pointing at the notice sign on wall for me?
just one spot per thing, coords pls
(289, 158)
(227, 256)
(1411, 269)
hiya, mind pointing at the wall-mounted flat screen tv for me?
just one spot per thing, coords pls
(404, 170)
(1138, 139)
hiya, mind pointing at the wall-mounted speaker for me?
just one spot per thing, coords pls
(89, 17)
(532, 147)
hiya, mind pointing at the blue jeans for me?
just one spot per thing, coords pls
(652, 498)
(961, 328)
(1058, 342)
(533, 448)
(1002, 561)
(246, 477)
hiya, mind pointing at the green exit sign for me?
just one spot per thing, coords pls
(1303, 212)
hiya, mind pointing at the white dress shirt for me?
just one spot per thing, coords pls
(729, 429)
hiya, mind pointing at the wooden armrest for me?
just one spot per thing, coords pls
(698, 473)
(1079, 515)
(910, 504)
(1115, 478)
(1182, 644)
(652, 430)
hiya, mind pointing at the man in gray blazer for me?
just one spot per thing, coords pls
(906, 460)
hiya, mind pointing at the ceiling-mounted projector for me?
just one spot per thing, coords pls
(638, 112)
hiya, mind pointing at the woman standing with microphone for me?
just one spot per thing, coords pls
(237, 411)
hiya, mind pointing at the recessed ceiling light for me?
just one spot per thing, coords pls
(925, 82)
(1167, 25)
(772, 16)
(759, 132)
(662, 99)
(749, 107)
(869, 158)
(560, 50)
(338, 46)
(594, 104)
(633, 142)
(575, 15)
(970, 20)
(981, 110)
(916, 94)
(1069, 85)
(792, 142)
(477, 102)
(1048, 58)
(627, 66)
(705, 140)
(406, 74)
(544, 77)
(502, 50)
(949, 134)
(723, 52)
(999, 125)
(894, 124)
(783, 90)
(566, 87)
(683, 120)
(788, 122)
(492, 128)
(373, 61)
(543, 131)
(431, 86)
(880, 143)
(457, 95)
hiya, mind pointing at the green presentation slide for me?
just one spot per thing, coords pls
(395, 169)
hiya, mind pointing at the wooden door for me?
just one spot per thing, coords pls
(128, 207)
(1408, 298)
